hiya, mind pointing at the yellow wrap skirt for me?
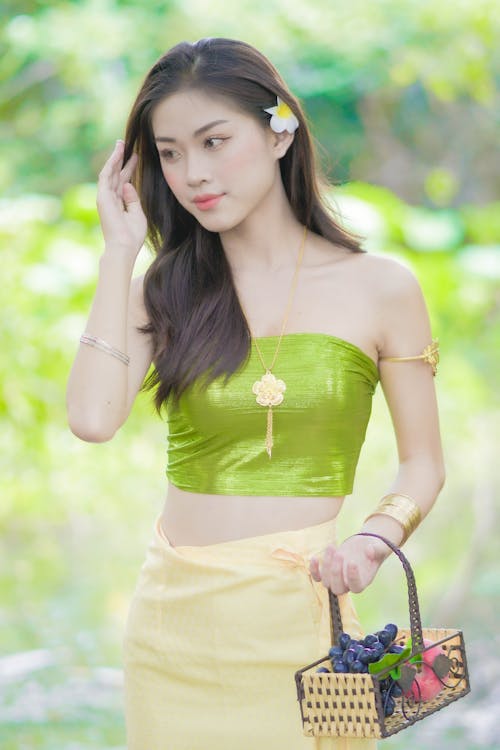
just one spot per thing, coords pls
(214, 636)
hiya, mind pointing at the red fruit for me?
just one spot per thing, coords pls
(429, 684)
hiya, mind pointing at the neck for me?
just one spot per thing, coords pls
(267, 240)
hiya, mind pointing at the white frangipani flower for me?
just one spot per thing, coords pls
(282, 117)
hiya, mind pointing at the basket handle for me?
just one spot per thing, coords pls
(417, 639)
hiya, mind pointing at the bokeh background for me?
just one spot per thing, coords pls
(403, 101)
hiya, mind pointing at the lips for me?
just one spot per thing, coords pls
(208, 200)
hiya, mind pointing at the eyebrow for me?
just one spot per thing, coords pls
(196, 132)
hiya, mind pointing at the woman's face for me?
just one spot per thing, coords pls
(209, 147)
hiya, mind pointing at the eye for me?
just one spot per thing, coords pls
(213, 138)
(166, 154)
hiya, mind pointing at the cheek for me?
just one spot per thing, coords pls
(251, 168)
(172, 180)
(176, 185)
(245, 158)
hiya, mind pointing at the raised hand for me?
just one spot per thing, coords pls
(123, 222)
(349, 567)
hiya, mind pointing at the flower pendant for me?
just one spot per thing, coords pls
(269, 392)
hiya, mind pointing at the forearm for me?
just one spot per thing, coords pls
(353, 565)
(420, 478)
(97, 386)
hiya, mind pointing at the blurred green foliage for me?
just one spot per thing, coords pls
(404, 101)
(399, 94)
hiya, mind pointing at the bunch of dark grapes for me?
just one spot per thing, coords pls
(353, 655)
(389, 690)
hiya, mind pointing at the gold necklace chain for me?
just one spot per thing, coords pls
(269, 389)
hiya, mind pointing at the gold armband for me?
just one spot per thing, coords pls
(403, 509)
(430, 355)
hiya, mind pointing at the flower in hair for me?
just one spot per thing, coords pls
(282, 117)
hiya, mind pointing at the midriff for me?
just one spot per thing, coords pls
(193, 519)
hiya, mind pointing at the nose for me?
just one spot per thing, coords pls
(196, 170)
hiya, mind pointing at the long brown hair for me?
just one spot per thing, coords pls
(197, 325)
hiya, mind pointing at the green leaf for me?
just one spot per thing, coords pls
(389, 660)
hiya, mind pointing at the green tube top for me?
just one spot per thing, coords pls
(216, 438)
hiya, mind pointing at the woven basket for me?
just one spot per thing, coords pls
(351, 705)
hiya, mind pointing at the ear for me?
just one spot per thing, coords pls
(281, 142)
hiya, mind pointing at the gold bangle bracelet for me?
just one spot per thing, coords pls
(403, 509)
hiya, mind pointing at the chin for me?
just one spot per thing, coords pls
(218, 224)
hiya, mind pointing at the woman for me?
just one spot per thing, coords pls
(264, 426)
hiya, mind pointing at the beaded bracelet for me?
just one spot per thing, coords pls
(104, 346)
(403, 509)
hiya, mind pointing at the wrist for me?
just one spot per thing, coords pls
(118, 256)
(386, 527)
(402, 510)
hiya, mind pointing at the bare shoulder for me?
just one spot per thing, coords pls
(380, 272)
(398, 304)
(390, 285)
(388, 277)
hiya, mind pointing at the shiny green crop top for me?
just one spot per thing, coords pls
(216, 437)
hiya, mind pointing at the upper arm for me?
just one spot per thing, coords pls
(139, 345)
(409, 387)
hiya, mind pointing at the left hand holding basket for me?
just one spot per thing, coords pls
(351, 566)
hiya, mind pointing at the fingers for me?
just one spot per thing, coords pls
(340, 573)
(330, 570)
(113, 174)
(109, 169)
(352, 577)
(128, 169)
(130, 198)
(335, 575)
